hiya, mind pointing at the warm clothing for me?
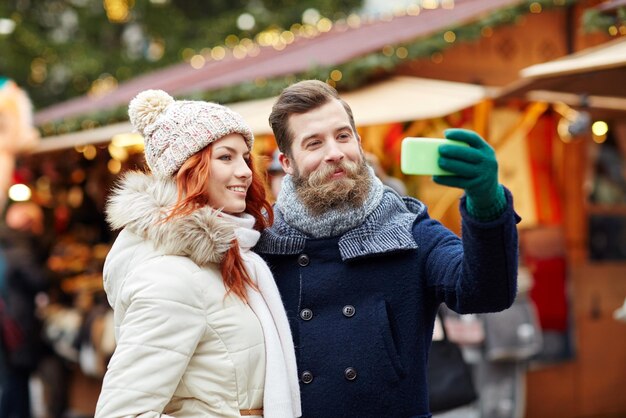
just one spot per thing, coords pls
(333, 222)
(362, 305)
(174, 130)
(280, 357)
(24, 276)
(184, 347)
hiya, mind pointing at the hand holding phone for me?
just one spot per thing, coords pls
(421, 155)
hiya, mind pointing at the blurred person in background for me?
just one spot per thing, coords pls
(17, 133)
(388, 180)
(25, 276)
(362, 270)
(275, 174)
(199, 323)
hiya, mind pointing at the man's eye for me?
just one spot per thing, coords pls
(313, 143)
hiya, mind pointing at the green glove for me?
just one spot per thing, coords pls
(475, 170)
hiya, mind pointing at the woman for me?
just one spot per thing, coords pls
(200, 326)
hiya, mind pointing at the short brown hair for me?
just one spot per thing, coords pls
(299, 98)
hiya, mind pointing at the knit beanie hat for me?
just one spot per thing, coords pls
(174, 130)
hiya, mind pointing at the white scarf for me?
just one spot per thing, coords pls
(281, 398)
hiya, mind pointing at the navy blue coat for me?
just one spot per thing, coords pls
(363, 327)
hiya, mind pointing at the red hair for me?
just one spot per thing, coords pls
(191, 181)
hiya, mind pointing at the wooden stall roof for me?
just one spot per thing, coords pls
(337, 46)
(395, 100)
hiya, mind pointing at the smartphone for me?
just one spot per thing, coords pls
(421, 155)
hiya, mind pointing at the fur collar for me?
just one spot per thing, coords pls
(140, 202)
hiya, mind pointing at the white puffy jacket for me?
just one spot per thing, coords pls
(184, 349)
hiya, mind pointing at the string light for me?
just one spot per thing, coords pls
(187, 54)
(118, 11)
(90, 152)
(231, 41)
(114, 166)
(413, 10)
(354, 21)
(324, 25)
(197, 61)
(437, 57)
(449, 36)
(19, 193)
(402, 52)
(310, 16)
(336, 75)
(240, 52)
(156, 50)
(7, 26)
(447, 4)
(599, 128)
(38, 70)
(246, 22)
(218, 53)
(287, 37)
(104, 84)
(430, 4)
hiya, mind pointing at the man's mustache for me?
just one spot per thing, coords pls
(323, 173)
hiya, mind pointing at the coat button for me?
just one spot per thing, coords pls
(303, 260)
(348, 311)
(306, 377)
(306, 314)
(350, 373)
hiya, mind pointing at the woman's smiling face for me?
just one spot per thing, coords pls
(231, 175)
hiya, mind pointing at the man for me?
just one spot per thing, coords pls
(362, 270)
(24, 277)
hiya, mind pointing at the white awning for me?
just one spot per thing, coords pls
(398, 99)
(602, 57)
(592, 78)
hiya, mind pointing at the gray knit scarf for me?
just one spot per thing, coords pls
(333, 222)
(384, 227)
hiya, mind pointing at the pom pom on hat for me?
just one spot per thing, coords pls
(146, 107)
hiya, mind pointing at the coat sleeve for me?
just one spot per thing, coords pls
(477, 273)
(163, 321)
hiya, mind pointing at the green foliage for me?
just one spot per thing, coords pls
(598, 21)
(89, 63)
(60, 47)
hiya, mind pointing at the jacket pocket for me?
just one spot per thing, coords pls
(386, 333)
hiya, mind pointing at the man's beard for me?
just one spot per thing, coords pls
(320, 193)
